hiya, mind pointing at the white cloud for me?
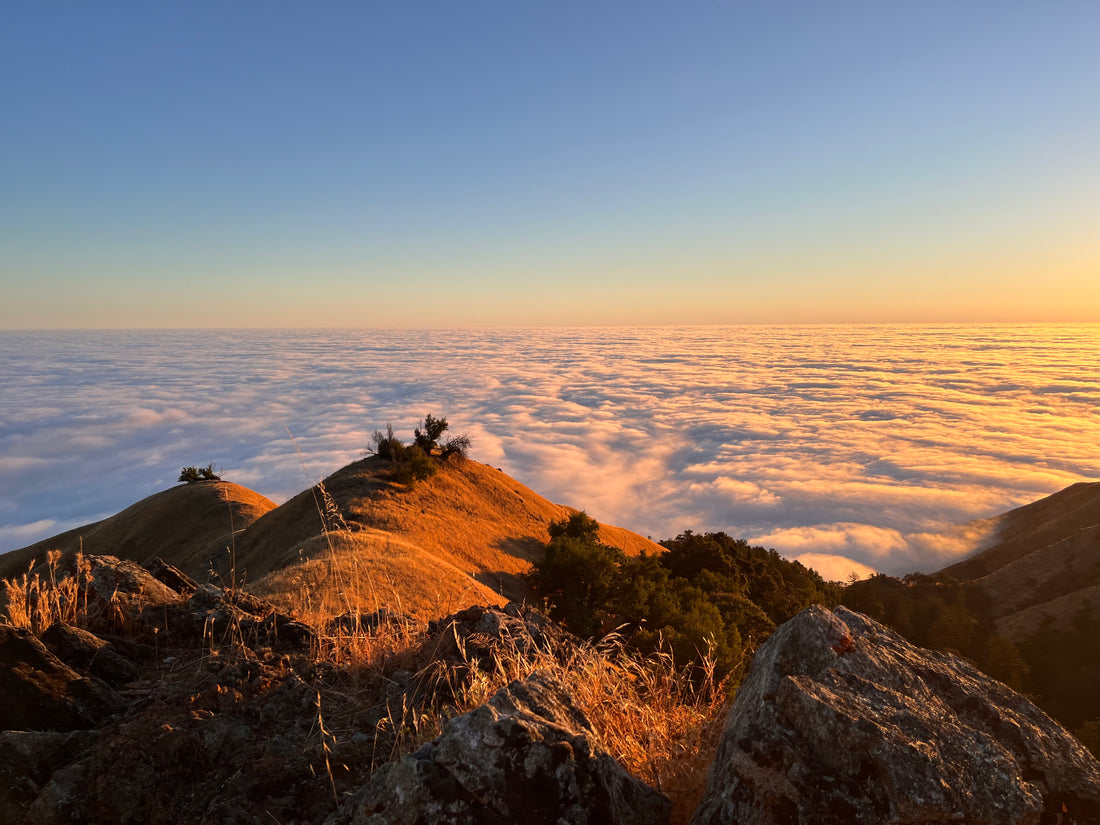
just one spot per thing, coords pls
(866, 443)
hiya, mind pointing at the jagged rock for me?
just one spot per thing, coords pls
(126, 581)
(33, 775)
(172, 577)
(85, 651)
(529, 756)
(841, 720)
(40, 692)
(355, 622)
(480, 639)
(219, 611)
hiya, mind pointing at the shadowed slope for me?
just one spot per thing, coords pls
(191, 525)
(1031, 527)
(1045, 567)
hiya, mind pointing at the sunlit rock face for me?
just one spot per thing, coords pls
(841, 720)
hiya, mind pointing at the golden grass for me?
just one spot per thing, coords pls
(659, 720)
(36, 600)
(365, 571)
(469, 515)
(187, 524)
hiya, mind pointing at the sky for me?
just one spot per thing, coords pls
(851, 448)
(488, 164)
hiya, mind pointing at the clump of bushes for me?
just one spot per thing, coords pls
(417, 461)
(191, 475)
(708, 595)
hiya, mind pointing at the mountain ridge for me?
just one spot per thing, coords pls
(470, 533)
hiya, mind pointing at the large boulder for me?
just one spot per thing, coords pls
(529, 755)
(841, 720)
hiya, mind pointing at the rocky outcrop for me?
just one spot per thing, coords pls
(40, 692)
(529, 755)
(37, 771)
(841, 720)
(85, 651)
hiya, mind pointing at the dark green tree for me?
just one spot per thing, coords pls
(191, 475)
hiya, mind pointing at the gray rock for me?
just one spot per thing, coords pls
(529, 756)
(841, 720)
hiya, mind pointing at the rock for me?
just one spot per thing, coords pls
(34, 775)
(481, 639)
(841, 720)
(529, 755)
(221, 612)
(126, 582)
(40, 692)
(85, 651)
(172, 577)
(356, 622)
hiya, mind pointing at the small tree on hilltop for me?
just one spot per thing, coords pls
(386, 445)
(429, 432)
(191, 475)
(415, 462)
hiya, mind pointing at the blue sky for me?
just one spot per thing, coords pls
(441, 164)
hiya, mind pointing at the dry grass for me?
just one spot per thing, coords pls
(469, 515)
(366, 570)
(37, 600)
(659, 720)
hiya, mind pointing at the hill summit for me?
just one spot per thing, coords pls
(355, 541)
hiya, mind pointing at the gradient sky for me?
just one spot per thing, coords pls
(466, 164)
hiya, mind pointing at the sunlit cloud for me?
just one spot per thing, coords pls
(865, 444)
(834, 568)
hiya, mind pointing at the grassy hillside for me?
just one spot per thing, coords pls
(192, 525)
(466, 535)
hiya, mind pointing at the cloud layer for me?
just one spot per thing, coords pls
(860, 444)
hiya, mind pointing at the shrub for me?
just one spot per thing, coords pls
(415, 465)
(387, 445)
(191, 475)
(417, 461)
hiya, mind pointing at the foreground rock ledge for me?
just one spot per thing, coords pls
(528, 756)
(841, 720)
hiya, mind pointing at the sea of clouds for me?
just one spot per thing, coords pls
(851, 448)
